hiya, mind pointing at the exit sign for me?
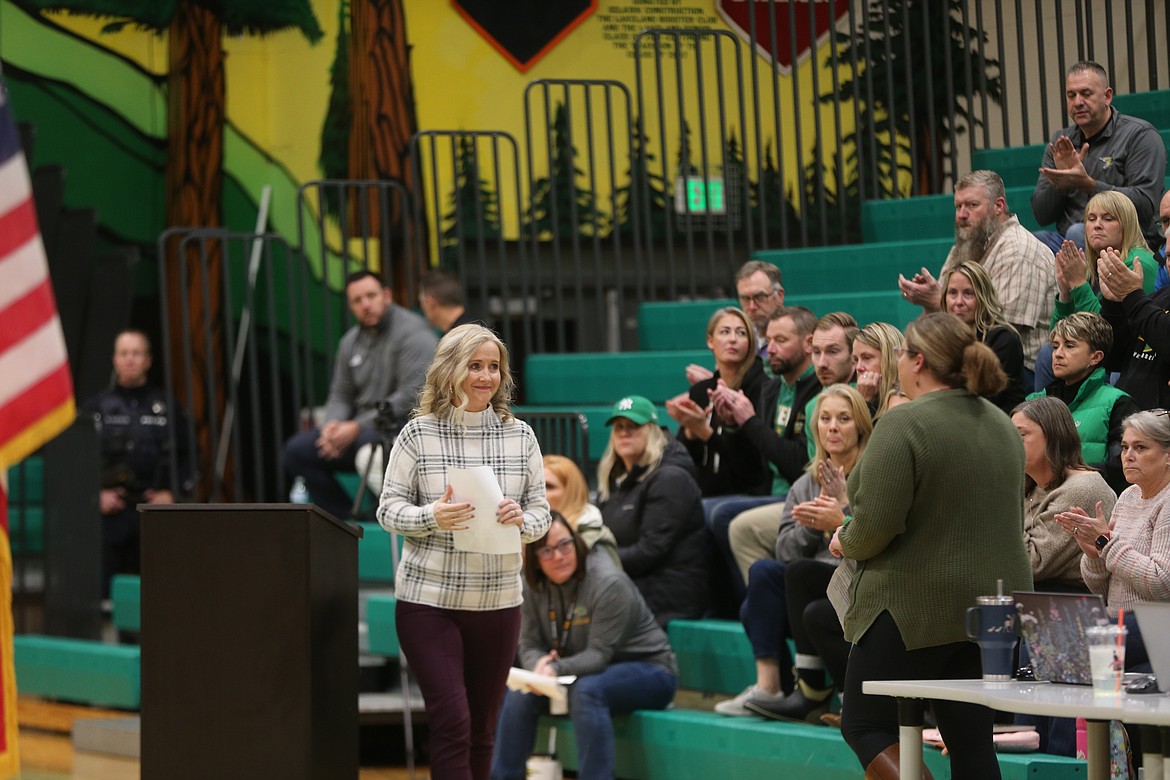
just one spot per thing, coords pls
(696, 195)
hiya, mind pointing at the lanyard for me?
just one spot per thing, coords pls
(560, 637)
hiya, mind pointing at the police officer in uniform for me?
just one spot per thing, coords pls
(133, 424)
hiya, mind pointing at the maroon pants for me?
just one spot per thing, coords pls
(461, 661)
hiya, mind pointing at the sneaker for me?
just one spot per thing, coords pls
(796, 706)
(735, 707)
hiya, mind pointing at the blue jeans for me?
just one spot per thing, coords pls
(593, 700)
(302, 459)
(764, 615)
(718, 512)
(1044, 375)
(1053, 240)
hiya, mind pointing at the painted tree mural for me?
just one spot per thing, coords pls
(922, 61)
(196, 98)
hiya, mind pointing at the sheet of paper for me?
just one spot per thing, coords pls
(484, 534)
(530, 682)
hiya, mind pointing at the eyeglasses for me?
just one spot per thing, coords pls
(758, 299)
(900, 351)
(562, 547)
(1163, 221)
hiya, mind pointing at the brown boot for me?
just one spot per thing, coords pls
(886, 766)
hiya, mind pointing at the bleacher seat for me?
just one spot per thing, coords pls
(930, 216)
(126, 595)
(604, 377)
(680, 744)
(78, 670)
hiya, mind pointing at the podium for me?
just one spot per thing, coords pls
(249, 642)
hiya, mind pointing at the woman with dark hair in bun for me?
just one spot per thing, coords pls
(937, 510)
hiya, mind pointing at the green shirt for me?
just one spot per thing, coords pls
(1083, 298)
(784, 402)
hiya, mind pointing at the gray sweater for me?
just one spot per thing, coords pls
(611, 622)
(796, 541)
(388, 362)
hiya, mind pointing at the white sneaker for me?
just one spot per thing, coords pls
(735, 707)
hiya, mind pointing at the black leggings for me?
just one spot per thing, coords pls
(870, 723)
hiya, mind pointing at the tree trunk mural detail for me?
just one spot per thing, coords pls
(383, 122)
(196, 98)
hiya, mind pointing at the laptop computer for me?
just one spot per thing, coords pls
(1154, 622)
(1053, 625)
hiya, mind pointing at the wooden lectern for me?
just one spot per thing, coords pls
(249, 642)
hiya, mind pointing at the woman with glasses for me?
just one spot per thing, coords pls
(583, 617)
(650, 500)
(936, 519)
(967, 292)
(458, 612)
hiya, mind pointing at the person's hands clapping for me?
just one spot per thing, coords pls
(1068, 171)
(822, 514)
(510, 513)
(1116, 278)
(922, 290)
(696, 373)
(1071, 269)
(832, 479)
(451, 516)
(732, 404)
(1084, 528)
(691, 416)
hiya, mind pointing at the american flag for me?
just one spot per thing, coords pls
(36, 391)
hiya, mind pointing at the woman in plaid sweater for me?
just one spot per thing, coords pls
(458, 612)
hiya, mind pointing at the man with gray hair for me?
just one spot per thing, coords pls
(1021, 268)
(1102, 150)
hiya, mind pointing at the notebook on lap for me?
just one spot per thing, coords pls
(1053, 625)
(1154, 622)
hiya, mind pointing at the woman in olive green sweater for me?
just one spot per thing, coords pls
(937, 518)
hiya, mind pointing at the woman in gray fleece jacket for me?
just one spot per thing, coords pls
(582, 616)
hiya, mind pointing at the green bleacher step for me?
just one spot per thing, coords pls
(856, 268)
(78, 670)
(383, 626)
(595, 415)
(375, 558)
(126, 595)
(931, 216)
(1019, 166)
(695, 745)
(713, 655)
(1154, 107)
(604, 377)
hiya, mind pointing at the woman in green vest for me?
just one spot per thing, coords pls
(1079, 345)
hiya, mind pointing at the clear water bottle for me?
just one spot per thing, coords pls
(299, 493)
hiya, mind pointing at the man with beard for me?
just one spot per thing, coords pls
(1022, 269)
(778, 432)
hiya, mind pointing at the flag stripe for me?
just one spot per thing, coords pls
(18, 226)
(47, 425)
(26, 315)
(15, 186)
(40, 354)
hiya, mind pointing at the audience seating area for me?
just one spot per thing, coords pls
(714, 656)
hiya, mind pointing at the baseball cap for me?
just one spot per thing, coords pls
(634, 408)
